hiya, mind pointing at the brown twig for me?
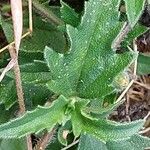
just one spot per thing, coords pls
(127, 108)
(29, 142)
(45, 140)
(30, 16)
(12, 43)
(13, 55)
(19, 89)
(125, 91)
(122, 34)
(143, 85)
(144, 131)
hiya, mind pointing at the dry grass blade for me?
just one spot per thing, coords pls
(7, 46)
(17, 17)
(8, 67)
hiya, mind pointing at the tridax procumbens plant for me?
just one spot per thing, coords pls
(89, 72)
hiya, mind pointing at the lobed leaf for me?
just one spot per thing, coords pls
(41, 118)
(90, 66)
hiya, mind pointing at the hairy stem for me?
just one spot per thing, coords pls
(13, 55)
(122, 34)
(45, 140)
(19, 89)
(70, 145)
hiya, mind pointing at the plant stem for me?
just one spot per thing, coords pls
(47, 13)
(45, 140)
(122, 34)
(13, 55)
(19, 89)
(70, 145)
(143, 85)
(29, 142)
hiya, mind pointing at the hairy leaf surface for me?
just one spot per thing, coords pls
(136, 142)
(143, 65)
(88, 142)
(104, 130)
(90, 66)
(13, 144)
(134, 10)
(41, 118)
(69, 15)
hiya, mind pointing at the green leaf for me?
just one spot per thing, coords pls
(104, 130)
(44, 34)
(8, 94)
(36, 78)
(134, 33)
(5, 114)
(29, 57)
(88, 142)
(37, 120)
(40, 38)
(102, 109)
(8, 29)
(36, 95)
(90, 66)
(36, 73)
(134, 9)
(13, 144)
(34, 67)
(143, 64)
(69, 15)
(136, 142)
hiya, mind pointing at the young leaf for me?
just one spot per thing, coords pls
(37, 120)
(102, 111)
(90, 66)
(143, 65)
(104, 130)
(69, 15)
(134, 10)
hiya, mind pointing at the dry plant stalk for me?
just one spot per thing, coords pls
(13, 55)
